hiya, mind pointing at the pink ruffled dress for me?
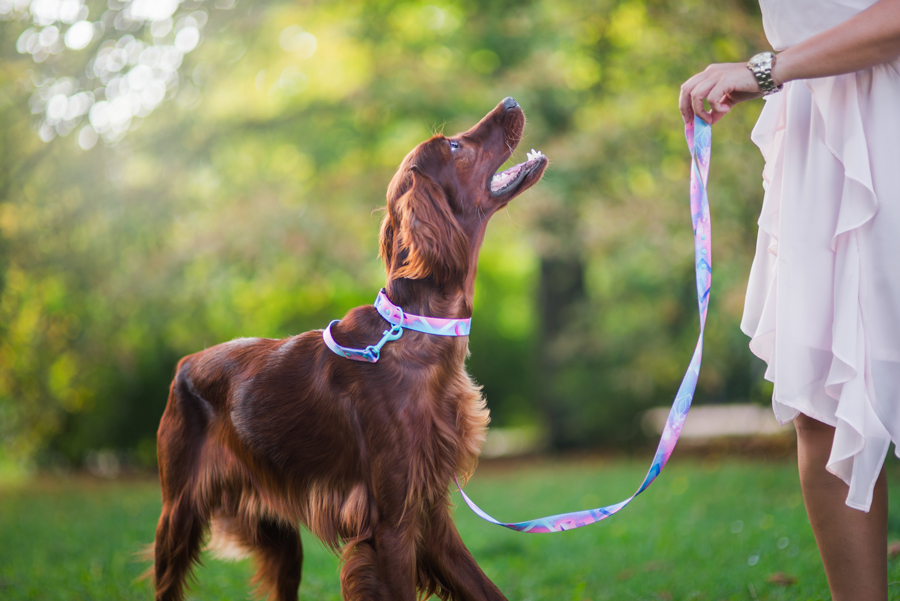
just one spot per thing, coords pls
(823, 300)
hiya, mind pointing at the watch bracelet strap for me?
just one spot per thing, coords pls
(764, 78)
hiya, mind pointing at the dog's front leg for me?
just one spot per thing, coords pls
(380, 568)
(444, 555)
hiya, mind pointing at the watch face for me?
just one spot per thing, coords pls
(762, 60)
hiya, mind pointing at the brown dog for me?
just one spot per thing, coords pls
(262, 435)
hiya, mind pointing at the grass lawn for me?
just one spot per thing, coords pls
(706, 529)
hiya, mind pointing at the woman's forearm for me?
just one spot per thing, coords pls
(866, 39)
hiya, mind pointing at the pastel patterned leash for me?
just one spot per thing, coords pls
(699, 139)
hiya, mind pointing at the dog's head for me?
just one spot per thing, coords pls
(446, 189)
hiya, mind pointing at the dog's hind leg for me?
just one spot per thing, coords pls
(278, 554)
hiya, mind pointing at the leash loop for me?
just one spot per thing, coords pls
(699, 139)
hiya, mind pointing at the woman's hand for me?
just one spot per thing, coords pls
(723, 85)
(862, 41)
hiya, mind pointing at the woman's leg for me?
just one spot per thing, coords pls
(852, 543)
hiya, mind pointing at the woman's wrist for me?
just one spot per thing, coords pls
(779, 70)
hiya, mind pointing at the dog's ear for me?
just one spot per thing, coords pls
(399, 185)
(420, 237)
(386, 239)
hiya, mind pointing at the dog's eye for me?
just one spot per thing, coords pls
(454, 145)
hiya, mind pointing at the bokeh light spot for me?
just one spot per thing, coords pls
(87, 137)
(294, 39)
(187, 39)
(152, 10)
(79, 35)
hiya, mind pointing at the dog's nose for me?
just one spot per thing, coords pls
(509, 103)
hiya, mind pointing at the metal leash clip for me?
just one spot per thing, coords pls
(373, 351)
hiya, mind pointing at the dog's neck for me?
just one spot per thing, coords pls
(423, 297)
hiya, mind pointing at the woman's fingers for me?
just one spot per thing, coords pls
(693, 92)
(685, 106)
(721, 85)
(698, 95)
(716, 115)
(684, 98)
(717, 98)
(720, 100)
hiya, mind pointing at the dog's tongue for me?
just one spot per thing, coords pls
(499, 181)
(502, 179)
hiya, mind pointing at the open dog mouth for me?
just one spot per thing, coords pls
(507, 181)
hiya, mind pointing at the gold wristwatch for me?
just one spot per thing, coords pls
(761, 66)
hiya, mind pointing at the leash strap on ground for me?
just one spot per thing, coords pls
(699, 139)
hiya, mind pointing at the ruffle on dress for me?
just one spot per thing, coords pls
(823, 299)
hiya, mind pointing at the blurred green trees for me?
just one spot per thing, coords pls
(245, 205)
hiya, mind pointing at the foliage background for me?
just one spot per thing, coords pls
(246, 205)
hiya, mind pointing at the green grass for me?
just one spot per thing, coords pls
(693, 535)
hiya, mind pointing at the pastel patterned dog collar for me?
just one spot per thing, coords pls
(438, 326)
(399, 321)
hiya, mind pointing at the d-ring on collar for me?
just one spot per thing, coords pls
(437, 326)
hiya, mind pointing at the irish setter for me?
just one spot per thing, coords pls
(262, 435)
